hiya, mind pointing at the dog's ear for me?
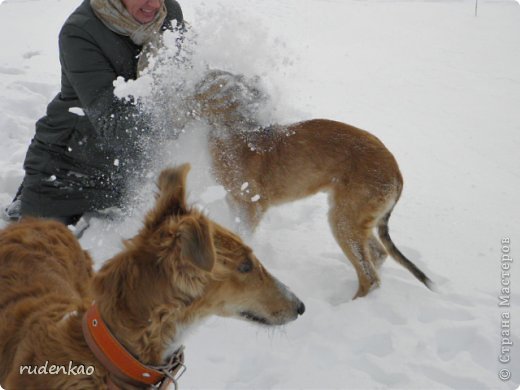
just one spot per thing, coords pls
(172, 189)
(171, 195)
(195, 236)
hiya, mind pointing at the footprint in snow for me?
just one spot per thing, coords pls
(43, 89)
(11, 71)
(30, 54)
(452, 342)
(432, 314)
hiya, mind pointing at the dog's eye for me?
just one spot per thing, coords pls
(246, 266)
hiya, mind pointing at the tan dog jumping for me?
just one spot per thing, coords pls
(180, 268)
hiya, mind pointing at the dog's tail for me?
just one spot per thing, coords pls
(384, 236)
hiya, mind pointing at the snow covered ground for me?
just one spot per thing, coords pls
(439, 86)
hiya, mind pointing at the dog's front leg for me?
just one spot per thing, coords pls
(248, 212)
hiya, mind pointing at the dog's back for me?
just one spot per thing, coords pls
(44, 275)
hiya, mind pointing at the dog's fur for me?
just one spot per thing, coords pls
(180, 268)
(281, 164)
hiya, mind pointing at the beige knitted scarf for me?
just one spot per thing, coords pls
(116, 17)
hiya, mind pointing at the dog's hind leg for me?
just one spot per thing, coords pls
(378, 253)
(352, 226)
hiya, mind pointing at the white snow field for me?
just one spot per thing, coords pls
(439, 86)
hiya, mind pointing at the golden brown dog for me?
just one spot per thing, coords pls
(264, 167)
(180, 268)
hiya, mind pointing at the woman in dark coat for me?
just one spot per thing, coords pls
(90, 142)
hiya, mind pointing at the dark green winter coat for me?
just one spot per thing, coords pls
(78, 163)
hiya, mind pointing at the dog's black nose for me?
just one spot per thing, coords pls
(301, 308)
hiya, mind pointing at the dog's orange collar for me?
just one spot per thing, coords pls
(119, 362)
